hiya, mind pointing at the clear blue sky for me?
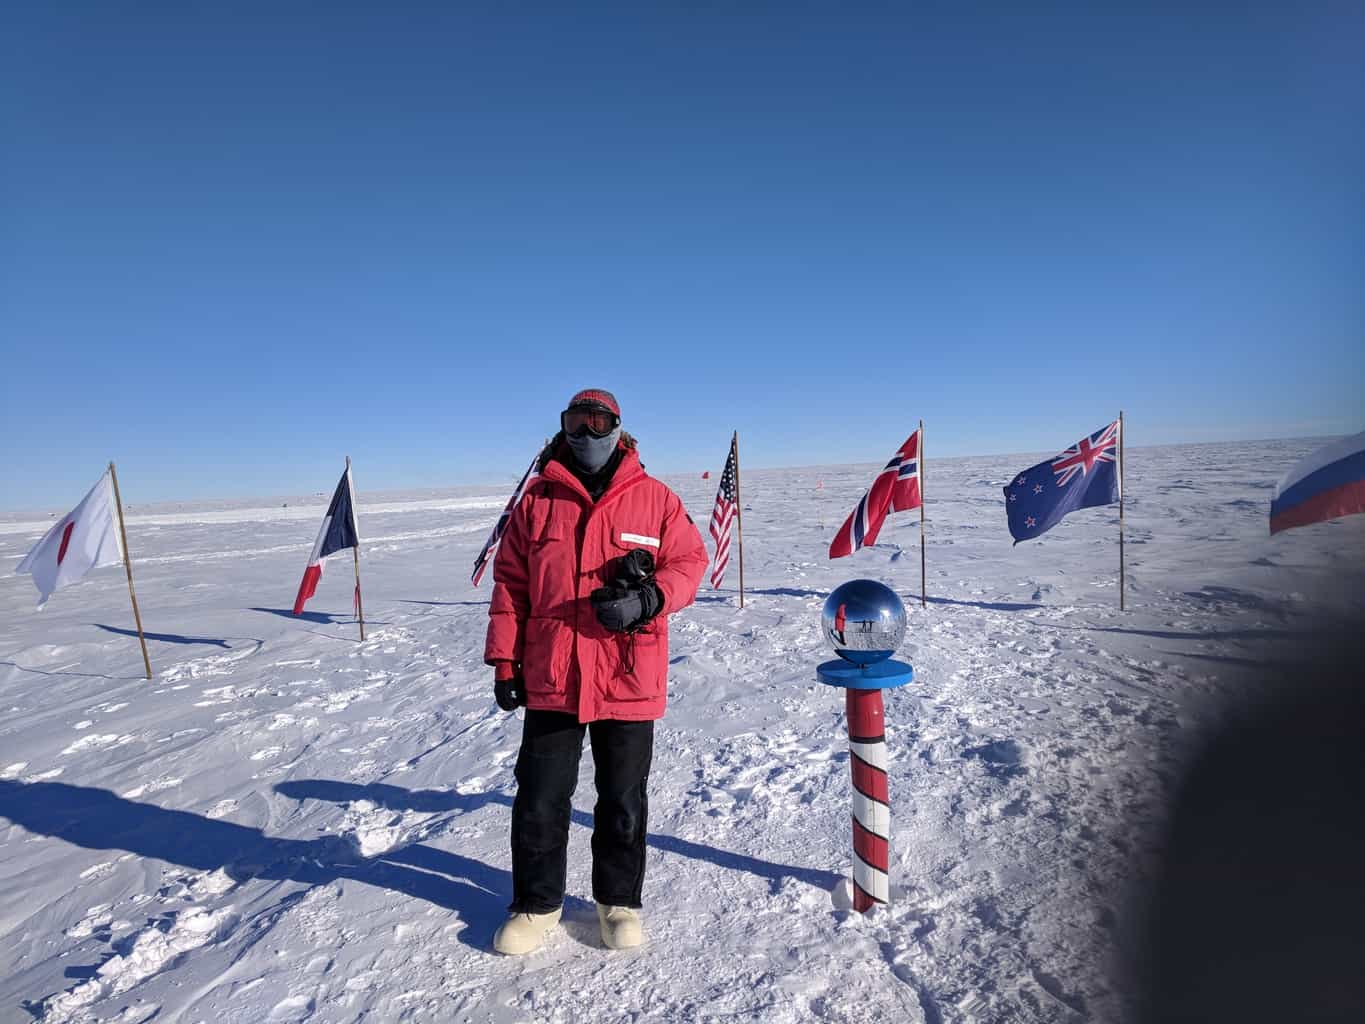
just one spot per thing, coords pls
(240, 240)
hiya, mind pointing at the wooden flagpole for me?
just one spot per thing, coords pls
(739, 516)
(1123, 597)
(923, 587)
(359, 604)
(128, 567)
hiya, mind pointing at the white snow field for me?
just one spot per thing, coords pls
(290, 825)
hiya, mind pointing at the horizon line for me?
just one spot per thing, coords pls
(396, 491)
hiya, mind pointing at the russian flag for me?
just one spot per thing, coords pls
(1324, 485)
(337, 534)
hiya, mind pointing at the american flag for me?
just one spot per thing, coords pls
(490, 546)
(722, 516)
(896, 489)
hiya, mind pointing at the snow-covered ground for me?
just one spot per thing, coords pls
(287, 824)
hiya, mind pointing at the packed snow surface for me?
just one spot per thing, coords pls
(287, 824)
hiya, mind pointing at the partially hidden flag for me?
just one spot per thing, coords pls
(1326, 484)
(723, 517)
(85, 538)
(896, 489)
(338, 532)
(490, 546)
(1084, 476)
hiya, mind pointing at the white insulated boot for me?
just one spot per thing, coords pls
(523, 933)
(621, 927)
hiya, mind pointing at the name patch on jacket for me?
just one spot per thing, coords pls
(635, 538)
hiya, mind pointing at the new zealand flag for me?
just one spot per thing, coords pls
(1083, 476)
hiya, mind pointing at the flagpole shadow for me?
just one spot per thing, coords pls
(992, 606)
(173, 638)
(447, 604)
(1181, 634)
(82, 675)
(319, 618)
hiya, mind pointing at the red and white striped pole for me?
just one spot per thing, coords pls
(871, 799)
(864, 621)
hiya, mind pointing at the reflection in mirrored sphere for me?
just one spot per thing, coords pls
(864, 621)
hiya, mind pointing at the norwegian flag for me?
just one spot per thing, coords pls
(1083, 476)
(490, 546)
(722, 516)
(896, 489)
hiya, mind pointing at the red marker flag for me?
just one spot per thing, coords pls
(85, 538)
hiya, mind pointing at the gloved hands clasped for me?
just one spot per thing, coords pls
(632, 598)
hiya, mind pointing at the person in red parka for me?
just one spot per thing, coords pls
(596, 555)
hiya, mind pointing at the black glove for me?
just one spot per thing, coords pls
(636, 566)
(510, 693)
(632, 598)
(625, 607)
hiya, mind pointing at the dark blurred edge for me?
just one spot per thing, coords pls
(1256, 908)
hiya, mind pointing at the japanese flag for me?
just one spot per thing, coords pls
(86, 538)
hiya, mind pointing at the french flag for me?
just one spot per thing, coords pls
(337, 534)
(1324, 485)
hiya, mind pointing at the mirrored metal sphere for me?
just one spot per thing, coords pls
(864, 621)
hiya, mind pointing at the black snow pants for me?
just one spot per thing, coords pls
(547, 771)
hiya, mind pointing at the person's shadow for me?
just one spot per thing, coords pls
(435, 800)
(99, 820)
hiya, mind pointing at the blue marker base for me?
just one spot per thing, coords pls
(881, 675)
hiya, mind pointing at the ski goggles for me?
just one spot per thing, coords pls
(587, 419)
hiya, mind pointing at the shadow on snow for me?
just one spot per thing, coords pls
(167, 638)
(727, 596)
(97, 819)
(447, 604)
(81, 675)
(990, 606)
(321, 618)
(434, 800)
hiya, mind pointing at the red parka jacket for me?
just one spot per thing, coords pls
(559, 547)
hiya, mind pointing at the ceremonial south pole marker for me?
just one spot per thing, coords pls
(864, 621)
